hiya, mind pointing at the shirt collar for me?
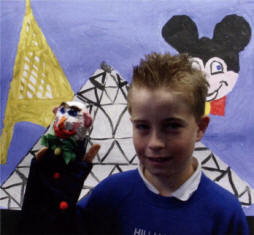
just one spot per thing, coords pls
(185, 191)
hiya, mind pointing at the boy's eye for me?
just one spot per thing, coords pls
(172, 126)
(73, 112)
(142, 127)
(62, 110)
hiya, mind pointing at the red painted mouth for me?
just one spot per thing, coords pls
(60, 130)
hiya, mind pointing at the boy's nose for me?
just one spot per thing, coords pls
(156, 142)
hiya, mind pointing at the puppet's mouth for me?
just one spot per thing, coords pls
(213, 96)
(61, 131)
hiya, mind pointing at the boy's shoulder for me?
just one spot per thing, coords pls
(119, 180)
(216, 196)
(114, 188)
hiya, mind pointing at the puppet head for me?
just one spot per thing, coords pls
(72, 119)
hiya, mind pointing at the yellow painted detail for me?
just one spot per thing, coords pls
(207, 108)
(57, 151)
(38, 85)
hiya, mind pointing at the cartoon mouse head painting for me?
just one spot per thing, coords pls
(217, 57)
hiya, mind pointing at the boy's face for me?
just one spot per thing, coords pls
(164, 131)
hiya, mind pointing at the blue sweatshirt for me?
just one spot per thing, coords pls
(122, 204)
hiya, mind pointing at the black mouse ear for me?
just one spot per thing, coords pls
(180, 32)
(233, 32)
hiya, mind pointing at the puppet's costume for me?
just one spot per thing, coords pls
(52, 192)
(56, 178)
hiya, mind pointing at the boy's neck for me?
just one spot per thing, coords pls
(167, 185)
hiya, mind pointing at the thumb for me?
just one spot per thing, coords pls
(90, 155)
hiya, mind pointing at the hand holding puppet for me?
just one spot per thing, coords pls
(58, 172)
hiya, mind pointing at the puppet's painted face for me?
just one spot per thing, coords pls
(72, 119)
(221, 80)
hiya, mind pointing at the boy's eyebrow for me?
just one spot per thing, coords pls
(173, 119)
(170, 119)
(138, 120)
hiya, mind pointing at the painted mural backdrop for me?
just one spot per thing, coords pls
(53, 51)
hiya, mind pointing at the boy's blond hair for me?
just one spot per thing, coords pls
(173, 72)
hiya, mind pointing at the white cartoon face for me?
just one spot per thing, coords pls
(221, 80)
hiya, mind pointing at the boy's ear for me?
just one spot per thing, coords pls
(202, 126)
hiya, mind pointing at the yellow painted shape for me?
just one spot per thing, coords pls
(207, 108)
(38, 85)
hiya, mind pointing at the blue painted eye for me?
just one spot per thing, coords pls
(216, 67)
(62, 110)
(73, 112)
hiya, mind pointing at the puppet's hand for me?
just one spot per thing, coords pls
(90, 155)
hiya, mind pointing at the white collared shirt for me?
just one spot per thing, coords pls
(185, 191)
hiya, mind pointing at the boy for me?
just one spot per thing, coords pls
(167, 194)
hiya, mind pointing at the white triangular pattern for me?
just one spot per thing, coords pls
(105, 146)
(102, 171)
(91, 181)
(24, 171)
(135, 161)
(115, 156)
(2, 194)
(13, 179)
(225, 183)
(210, 163)
(15, 192)
(212, 174)
(115, 171)
(110, 81)
(83, 193)
(125, 127)
(87, 86)
(129, 167)
(105, 99)
(111, 93)
(114, 112)
(127, 147)
(13, 205)
(89, 94)
(4, 203)
(120, 99)
(245, 198)
(26, 161)
(101, 126)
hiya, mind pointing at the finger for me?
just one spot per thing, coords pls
(90, 155)
(41, 153)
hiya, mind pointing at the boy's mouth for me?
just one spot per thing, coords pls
(159, 159)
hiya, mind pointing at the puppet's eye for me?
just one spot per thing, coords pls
(73, 112)
(216, 67)
(62, 110)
